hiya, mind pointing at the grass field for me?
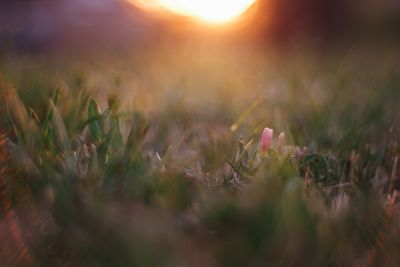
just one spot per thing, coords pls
(155, 160)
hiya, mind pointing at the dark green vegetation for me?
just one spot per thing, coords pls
(160, 165)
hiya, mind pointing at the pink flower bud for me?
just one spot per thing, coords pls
(266, 139)
(281, 139)
(300, 152)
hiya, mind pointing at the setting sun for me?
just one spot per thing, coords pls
(211, 11)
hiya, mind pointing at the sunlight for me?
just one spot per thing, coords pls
(211, 11)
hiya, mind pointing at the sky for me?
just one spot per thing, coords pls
(44, 24)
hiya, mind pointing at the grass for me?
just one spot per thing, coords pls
(144, 169)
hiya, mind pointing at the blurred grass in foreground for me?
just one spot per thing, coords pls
(157, 162)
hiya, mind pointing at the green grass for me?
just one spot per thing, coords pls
(160, 165)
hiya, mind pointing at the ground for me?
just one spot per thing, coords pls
(154, 159)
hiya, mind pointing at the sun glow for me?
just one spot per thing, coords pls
(212, 11)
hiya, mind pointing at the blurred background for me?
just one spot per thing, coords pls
(44, 25)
